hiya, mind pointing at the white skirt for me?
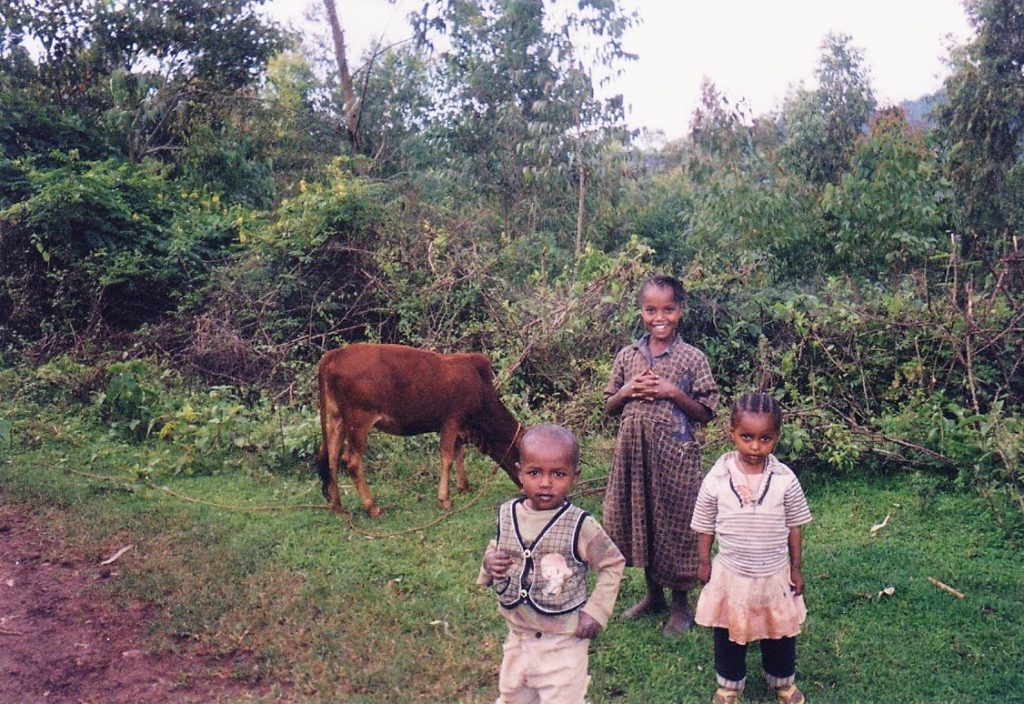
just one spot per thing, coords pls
(752, 608)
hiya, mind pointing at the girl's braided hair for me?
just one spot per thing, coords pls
(757, 402)
(663, 281)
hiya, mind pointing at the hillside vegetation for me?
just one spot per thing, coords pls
(213, 226)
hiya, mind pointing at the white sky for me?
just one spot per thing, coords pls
(756, 50)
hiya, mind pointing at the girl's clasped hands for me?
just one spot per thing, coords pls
(648, 386)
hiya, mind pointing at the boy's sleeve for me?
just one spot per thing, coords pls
(483, 578)
(604, 558)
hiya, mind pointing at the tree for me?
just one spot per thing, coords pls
(727, 206)
(982, 128)
(518, 103)
(143, 71)
(396, 112)
(291, 124)
(350, 104)
(821, 125)
(888, 210)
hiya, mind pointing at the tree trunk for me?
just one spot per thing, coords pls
(580, 209)
(351, 103)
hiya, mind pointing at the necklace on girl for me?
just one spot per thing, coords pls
(748, 492)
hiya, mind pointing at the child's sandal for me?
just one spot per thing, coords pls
(725, 696)
(790, 695)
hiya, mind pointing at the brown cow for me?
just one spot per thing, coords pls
(406, 391)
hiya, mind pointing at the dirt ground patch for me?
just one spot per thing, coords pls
(63, 640)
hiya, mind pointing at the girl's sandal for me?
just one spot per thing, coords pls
(725, 696)
(790, 695)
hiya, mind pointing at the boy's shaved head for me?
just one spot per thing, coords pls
(551, 434)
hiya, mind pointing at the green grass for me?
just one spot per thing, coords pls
(346, 617)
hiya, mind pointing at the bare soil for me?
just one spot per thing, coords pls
(63, 639)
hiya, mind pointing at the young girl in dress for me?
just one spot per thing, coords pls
(754, 506)
(662, 387)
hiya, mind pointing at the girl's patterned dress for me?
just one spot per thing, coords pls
(656, 470)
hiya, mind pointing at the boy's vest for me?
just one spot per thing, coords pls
(548, 574)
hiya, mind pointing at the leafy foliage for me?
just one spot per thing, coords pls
(519, 107)
(103, 243)
(887, 208)
(982, 129)
(822, 124)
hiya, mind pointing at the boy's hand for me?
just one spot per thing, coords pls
(587, 628)
(497, 564)
(796, 580)
(704, 572)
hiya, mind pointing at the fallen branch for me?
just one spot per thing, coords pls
(590, 480)
(5, 632)
(858, 429)
(946, 588)
(879, 526)
(113, 558)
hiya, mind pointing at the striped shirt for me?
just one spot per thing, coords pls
(752, 534)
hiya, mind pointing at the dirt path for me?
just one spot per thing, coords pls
(62, 640)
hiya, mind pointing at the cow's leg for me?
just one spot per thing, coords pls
(460, 464)
(449, 452)
(357, 429)
(332, 448)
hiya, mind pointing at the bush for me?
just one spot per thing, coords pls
(95, 245)
(131, 403)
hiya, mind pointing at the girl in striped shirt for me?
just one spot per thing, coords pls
(754, 506)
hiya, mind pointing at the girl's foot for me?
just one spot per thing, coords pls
(725, 696)
(789, 695)
(681, 618)
(678, 623)
(648, 605)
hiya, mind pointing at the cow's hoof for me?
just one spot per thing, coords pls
(445, 505)
(464, 487)
(375, 512)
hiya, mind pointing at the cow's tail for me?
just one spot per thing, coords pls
(323, 465)
(323, 468)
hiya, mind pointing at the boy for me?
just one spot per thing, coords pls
(538, 566)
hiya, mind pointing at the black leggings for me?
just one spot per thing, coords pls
(778, 656)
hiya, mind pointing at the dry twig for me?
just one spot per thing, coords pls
(113, 558)
(946, 588)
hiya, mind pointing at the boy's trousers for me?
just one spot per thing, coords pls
(543, 668)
